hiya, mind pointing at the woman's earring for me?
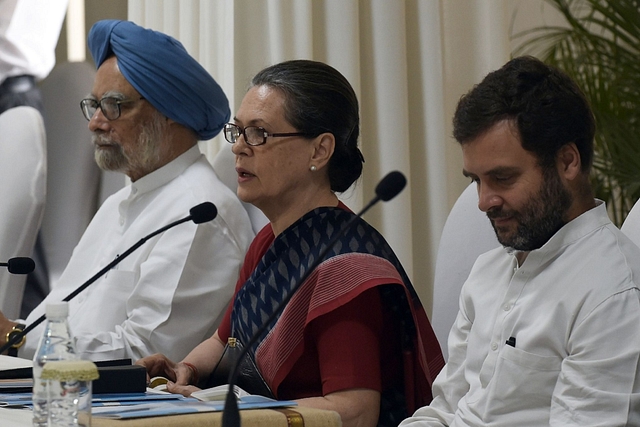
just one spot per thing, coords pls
(313, 168)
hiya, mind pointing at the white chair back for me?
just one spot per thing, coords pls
(631, 224)
(225, 167)
(23, 174)
(466, 234)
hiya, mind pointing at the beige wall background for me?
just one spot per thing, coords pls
(409, 61)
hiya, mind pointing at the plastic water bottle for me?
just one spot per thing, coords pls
(69, 389)
(56, 344)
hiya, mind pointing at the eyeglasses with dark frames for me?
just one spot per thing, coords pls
(254, 135)
(109, 105)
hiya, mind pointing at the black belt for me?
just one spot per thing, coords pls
(17, 84)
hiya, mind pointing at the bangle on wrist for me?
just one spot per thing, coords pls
(194, 373)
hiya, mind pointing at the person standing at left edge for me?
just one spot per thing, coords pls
(26, 58)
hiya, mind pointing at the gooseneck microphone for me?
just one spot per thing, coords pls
(19, 265)
(389, 187)
(204, 212)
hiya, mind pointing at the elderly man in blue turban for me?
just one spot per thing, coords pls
(150, 104)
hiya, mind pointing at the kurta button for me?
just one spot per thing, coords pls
(121, 221)
(506, 307)
(494, 346)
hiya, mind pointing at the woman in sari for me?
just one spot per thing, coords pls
(354, 337)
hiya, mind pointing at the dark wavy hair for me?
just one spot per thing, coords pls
(319, 99)
(547, 107)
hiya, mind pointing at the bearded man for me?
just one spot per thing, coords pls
(548, 331)
(150, 104)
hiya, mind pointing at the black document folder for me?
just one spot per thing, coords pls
(116, 376)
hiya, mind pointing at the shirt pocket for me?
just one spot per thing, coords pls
(119, 281)
(105, 306)
(522, 381)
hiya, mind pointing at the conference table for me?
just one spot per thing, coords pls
(286, 417)
(290, 416)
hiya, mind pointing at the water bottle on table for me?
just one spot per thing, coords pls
(69, 391)
(56, 344)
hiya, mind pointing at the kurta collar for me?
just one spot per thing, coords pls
(589, 221)
(166, 173)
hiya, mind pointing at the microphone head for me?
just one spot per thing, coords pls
(204, 212)
(390, 186)
(21, 265)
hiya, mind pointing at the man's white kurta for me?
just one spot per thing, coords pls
(169, 294)
(573, 308)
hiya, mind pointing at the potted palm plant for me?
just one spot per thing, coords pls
(599, 48)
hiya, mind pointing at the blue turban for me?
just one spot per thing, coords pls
(162, 71)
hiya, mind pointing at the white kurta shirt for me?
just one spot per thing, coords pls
(573, 308)
(170, 293)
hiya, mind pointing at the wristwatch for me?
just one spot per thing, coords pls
(17, 329)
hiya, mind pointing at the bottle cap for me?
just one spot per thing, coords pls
(70, 370)
(57, 310)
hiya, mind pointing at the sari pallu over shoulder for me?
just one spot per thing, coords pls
(359, 261)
